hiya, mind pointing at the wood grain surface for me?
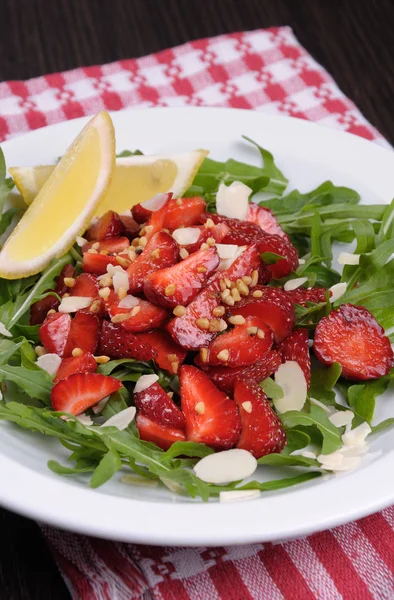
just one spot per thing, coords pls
(352, 39)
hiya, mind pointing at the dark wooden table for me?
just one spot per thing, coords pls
(353, 39)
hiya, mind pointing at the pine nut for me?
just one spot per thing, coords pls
(260, 334)
(235, 294)
(214, 325)
(123, 262)
(246, 279)
(135, 242)
(183, 253)
(96, 245)
(104, 293)
(69, 282)
(204, 246)
(209, 224)
(175, 367)
(255, 278)
(51, 312)
(242, 288)
(223, 355)
(223, 325)
(155, 254)
(247, 406)
(228, 282)
(252, 330)
(202, 323)
(203, 355)
(202, 269)
(222, 284)
(237, 320)
(226, 294)
(101, 360)
(92, 251)
(170, 289)
(77, 352)
(143, 241)
(95, 307)
(135, 311)
(229, 301)
(179, 311)
(200, 408)
(122, 293)
(218, 311)
(211, 242)
(178, 202)
(40, 350)
(105, 281)
(257, 294)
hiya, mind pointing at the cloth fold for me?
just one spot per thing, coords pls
(264, 70)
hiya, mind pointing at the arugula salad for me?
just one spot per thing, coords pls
(197, 342)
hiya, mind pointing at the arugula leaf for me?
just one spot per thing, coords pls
(331, 435)
(270, 258)
(108, 466)
(296, 440)
(6, 183)
(386, 424)
(283, 460)
(82, 467)
(323, 380)
(36, 383)
(191, 449)
(272, 389)
(362, 397)
(279, 484)
(129, 153)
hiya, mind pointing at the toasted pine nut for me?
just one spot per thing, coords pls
(143, 241)
(123, 262)
(218, 311)
(104, 293)
(155, 254)
(119, 318)
(223, 355)
(122, 293)
(209, 224)
(77, 352)
(229, 301)
(202, 269)
(260, 334)
(237, 320)
(183, 253)
(204, 355)
(202, 323)
(246, 279)
(253, 330)
(179, 311)
(101, 360)
(40, 350)
(235, 294)
(170, 289)
(69, 282)
(95, 307)
(135, 311)
(204, 246)
(200, 408)
(175, 367)
(105, 281)
(257, 294)
(255, 278)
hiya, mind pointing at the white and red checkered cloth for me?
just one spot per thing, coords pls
(263, 70)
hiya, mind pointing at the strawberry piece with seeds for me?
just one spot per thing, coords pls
(86, 285)
(262, 430)
(97, 263)
(110, 245)
(181, 283)
(184, 329)
(142, 317)
(117, 343)
(76, 364)
(54, 333)
(156, 220)
(224, 378)
(264, 218)
(140, 214)
(158, 434)
(76, 393)
(107, 226)
(184, 212)
(352, 337)
(168, 355)
(84, 333)
(154, 403)
(272, 308)
(283, 247)
(295, 347)
(302, 295)
(217, 232)
(239, 232)
(39, 310)
(241, 346)
(211, 417)
(161, 252)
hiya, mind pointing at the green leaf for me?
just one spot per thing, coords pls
(362, 397)
(383, 425)
(295, 440)
(386, 231)
(187, 449)
(271, 389)
(315, 235)
(37, 384)
(59, 469)
(323, 380)
(270, 258)
(316, 417)
(6, 184)
(279, 484)
(130, 363)
(129, 153)
(108, 466)
(282, 460)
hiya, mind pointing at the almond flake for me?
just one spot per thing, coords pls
(356, 437)
(239, 495)
(347, 258)
(144, 382)
(120, 280)
(226, 466)
(292, 381)
(81, 241)
(122, 419)
(226, 250)
(186, 235)
(155, 203)
(74, 303)
(337, 290)
(50, 363)
(293, 284)
(341, 418)
(4, 331)
(128, 302)
(226, 263)
(233, 201)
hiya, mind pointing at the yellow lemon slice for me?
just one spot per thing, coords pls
(65, 204)
(136, 178)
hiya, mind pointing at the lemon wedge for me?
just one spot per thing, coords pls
(65, 204)
(136, 178)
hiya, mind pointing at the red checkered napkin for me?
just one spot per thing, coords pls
(265, 70)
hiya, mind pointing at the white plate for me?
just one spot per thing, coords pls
(308, 154)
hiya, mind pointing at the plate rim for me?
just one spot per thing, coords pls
(17, 478)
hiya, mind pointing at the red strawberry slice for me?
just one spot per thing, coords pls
(217, 232)
(39, 310)
(264, 218)
(115, 342)
(86, 286)
(240, 232)
(54, 333)
(154, 403)
(97, 263)
(352, 337)
(262, 430)
(76, 364)
(131, 226)
(295, 347)
(142, 317)
(184, 329)
(302, 295)
(168, 355)
(140, 214)
(160, 435)
(224, 378)
(156, 220)
(281, 246)
(272, 308)
(240, 346)
(211, 417)
(161, 251)
(84, 332)
(180, 284)
(184, 212)
(112, 245)
(76, 393)
(107, 226)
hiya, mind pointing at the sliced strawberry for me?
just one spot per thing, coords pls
(352, 337)
(240, 232)
(217, 232)
(181, 283)
(278, 245)
(142, 317)
(112, 245)
(211, 417)
(154, 403)
(39, 310)
(130, 226)
(84, 332)
(118, 343)
(160, 435)
(161, 252)
(295, 347)
(262, 430)
(242, 345)
(272, 308)
(76, 393)
(224, 378)
(302, 295)
(86, 286)
(76, 364)
(140, 214)
(97, 263)
(107, 226)
(168, 355)
(184, 329)
(157, 219)
(55, 332)
(264, 218)
(184, 212)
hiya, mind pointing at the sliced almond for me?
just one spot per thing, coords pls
(292, 381)
(226, 466)
(144, 382)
